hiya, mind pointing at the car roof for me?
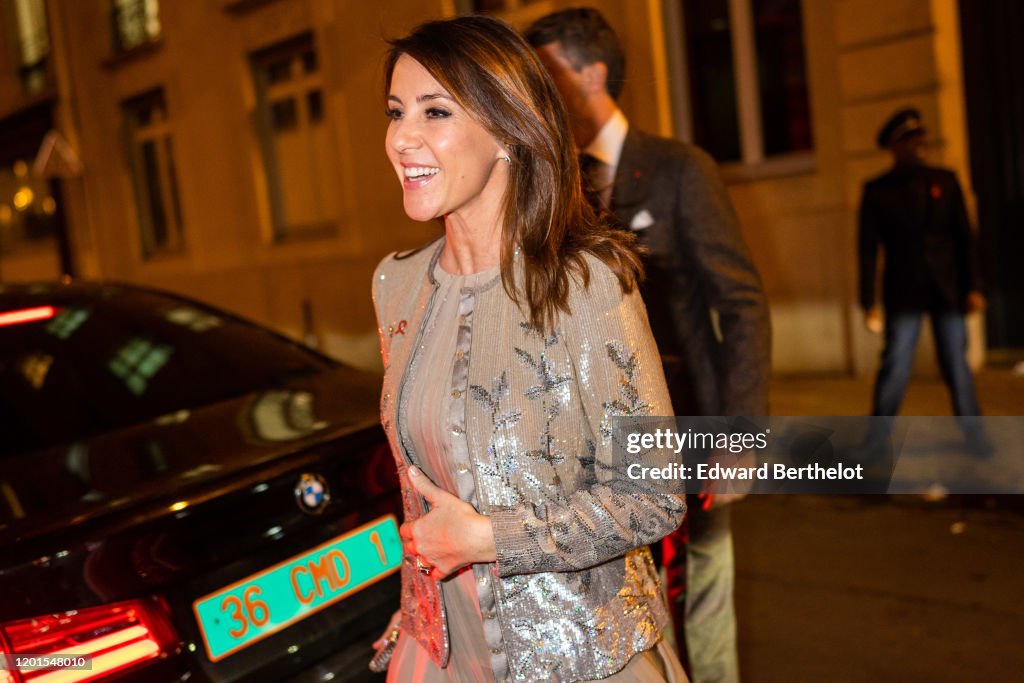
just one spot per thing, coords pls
(78, 290)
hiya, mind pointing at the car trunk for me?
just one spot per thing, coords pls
(194, 502)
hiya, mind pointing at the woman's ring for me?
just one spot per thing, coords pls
(423, 567)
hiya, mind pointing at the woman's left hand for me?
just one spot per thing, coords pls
(450, 536)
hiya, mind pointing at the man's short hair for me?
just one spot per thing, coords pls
(586, 37)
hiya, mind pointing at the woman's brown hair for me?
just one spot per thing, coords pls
(492, 72)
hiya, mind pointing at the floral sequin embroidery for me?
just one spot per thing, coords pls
(630, 404)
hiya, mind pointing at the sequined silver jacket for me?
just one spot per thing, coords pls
(574, 593)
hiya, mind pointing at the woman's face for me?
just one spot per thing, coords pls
(447, 162)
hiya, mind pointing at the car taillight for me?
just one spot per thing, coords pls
(26, 315)
(116, 636)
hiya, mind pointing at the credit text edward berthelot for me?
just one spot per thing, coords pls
(723, 443)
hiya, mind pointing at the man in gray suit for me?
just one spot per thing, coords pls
(699, 273)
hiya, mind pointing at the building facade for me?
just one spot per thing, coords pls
(232, 150)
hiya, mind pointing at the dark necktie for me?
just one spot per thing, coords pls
(597, 180)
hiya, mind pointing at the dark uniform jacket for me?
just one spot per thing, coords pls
(670, 194)
(916, 215)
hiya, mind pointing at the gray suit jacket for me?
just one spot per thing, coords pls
(670, 194)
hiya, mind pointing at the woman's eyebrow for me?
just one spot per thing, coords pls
(423, 98)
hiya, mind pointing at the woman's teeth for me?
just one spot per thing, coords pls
(419, 171)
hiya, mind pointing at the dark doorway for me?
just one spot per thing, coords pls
(993, 54)
(21, 134)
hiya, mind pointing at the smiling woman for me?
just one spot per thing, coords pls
(520, 527)
(448, 163)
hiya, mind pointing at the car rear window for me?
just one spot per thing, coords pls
(122, 356)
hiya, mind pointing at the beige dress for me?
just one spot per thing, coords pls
(424, 406)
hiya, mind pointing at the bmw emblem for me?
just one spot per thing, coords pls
(312, 494)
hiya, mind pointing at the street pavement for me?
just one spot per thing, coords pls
(881, 588)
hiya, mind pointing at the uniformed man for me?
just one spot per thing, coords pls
(915, 215)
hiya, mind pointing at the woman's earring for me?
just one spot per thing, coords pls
(507, 158)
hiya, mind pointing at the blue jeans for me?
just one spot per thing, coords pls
(901, 332)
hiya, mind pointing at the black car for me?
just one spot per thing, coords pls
(185, 495)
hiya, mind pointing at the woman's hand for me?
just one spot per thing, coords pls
(385, 645)
(450, 536)
(389, 632)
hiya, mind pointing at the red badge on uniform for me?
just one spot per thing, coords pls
(936, 191)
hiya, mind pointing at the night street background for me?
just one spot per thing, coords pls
(874, 588)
